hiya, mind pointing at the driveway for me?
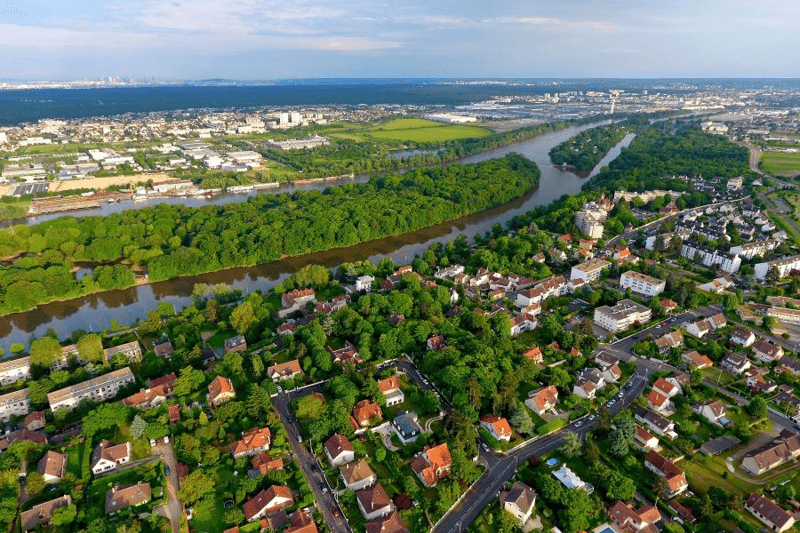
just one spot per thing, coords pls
(173, 509)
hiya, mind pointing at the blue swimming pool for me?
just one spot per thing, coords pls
(553, 462)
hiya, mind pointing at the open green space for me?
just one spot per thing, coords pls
(10, 209)
(419, 130)
(781, 163)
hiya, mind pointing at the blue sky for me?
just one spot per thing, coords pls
(275, 39)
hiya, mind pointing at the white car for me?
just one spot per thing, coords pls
(152, 442)
(166, 440)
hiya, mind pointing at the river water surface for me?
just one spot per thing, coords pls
(94, 312)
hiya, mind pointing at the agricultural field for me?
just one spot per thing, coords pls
(781, 163)
(419, 130)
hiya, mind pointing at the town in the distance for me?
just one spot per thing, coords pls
(622, 358)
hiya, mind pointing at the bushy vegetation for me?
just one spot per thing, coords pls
(587, 148)
(174, 240)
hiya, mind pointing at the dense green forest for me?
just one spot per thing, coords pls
(587, 148)
(345, 156)
(175, 240)
(655, 155)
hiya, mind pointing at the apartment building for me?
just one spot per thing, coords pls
(15, 370)
(781, 266)
(589, 271)
(98, 389)
(14, 404)
(131, 350)
(621, 316)
(642, 283)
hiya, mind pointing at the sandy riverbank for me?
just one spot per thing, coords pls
(102, 183)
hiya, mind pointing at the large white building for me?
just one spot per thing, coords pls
(782, 266)
(15, 370)
(591, 218)
(711, 257)
(642, 283)
(623, 315)
(14, 404)
(589, 271)
(98, 389)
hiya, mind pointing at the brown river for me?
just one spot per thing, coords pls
(95, 312)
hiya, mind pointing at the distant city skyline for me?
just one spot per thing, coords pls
(277, 39)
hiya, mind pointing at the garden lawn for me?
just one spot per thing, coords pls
(74, 458)
(218, 339)
(703, 472)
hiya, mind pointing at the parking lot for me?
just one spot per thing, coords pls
(30, 188)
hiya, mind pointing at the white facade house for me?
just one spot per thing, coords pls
(642, 283)
(623, 315)
(364, 283)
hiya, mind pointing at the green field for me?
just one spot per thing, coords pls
(419, 130)
(781, 163)
(9, 210)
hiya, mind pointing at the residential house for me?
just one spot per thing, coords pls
(766, 352)
(519, 501)
(392, 523)
(432, 464)
(148, 398)
(757, 381)
(713, 411)
(407, 427)
(287, 328)
(43, 512)
(785, 448)
(268, 501)
(97, 389)
(365, 411)
(174, 412)
(718, 285)
(339, 450)
(534, 354)
(390, 387)
(52, 466)
(235, 344)
(336, 304)
(769, 512)
(107, 456)
(735, 363)
(357, 475)
(14, 403)
(163, 349)
(673, 339)
(263, 463)
(629, 520)
(571, 480)
(701, 327)
(345, 354)
(168, 381)
(542, 400)
(658, 402)
(590, 381)
(284, 371)
(373, 502)
(131, 350)
(743, 337)
(665, 387)
(34, 421)
(293, 301)
(220, 390)
(21, 434)
(121, 497)
(522, 323)
(605, 359)
(252, 442)
(301, 521)
(612, 374)
(364, 283)
(497, 427)
(436, 343)
(663, 467)
(645, 440)
(661, 426)
(693, 358)
(667, 305)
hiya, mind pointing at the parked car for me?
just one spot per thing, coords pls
(166, 469)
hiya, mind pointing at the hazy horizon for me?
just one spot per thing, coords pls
(310, 39)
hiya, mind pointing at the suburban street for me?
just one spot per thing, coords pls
(173, 510)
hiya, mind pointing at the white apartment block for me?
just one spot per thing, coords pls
(782, 267)
(589, 271)
(754, 249)
(131, 350)
(623, 315)
(14, 404)
(709, 257)
(15, 370)
(642, 283)
(590, 223)
(98, 389)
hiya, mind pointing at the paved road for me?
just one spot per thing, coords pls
(173, 509)
(316, 478)
(503, 469)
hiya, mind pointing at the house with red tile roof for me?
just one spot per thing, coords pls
(263, 462)
(629, 520)
(252, 442)
(364, 411)
(301, 522)
(339, 450)
(663, 467)
(268, 501)
(391, 523)
(52, 466)
(769, 512)
(542, 400)
(658, 402)
(699, 361)
(373, 502)
(432, 464)
(534, 354)
(220, 391)
(390, 387)
(497, 427)
(283, 371)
